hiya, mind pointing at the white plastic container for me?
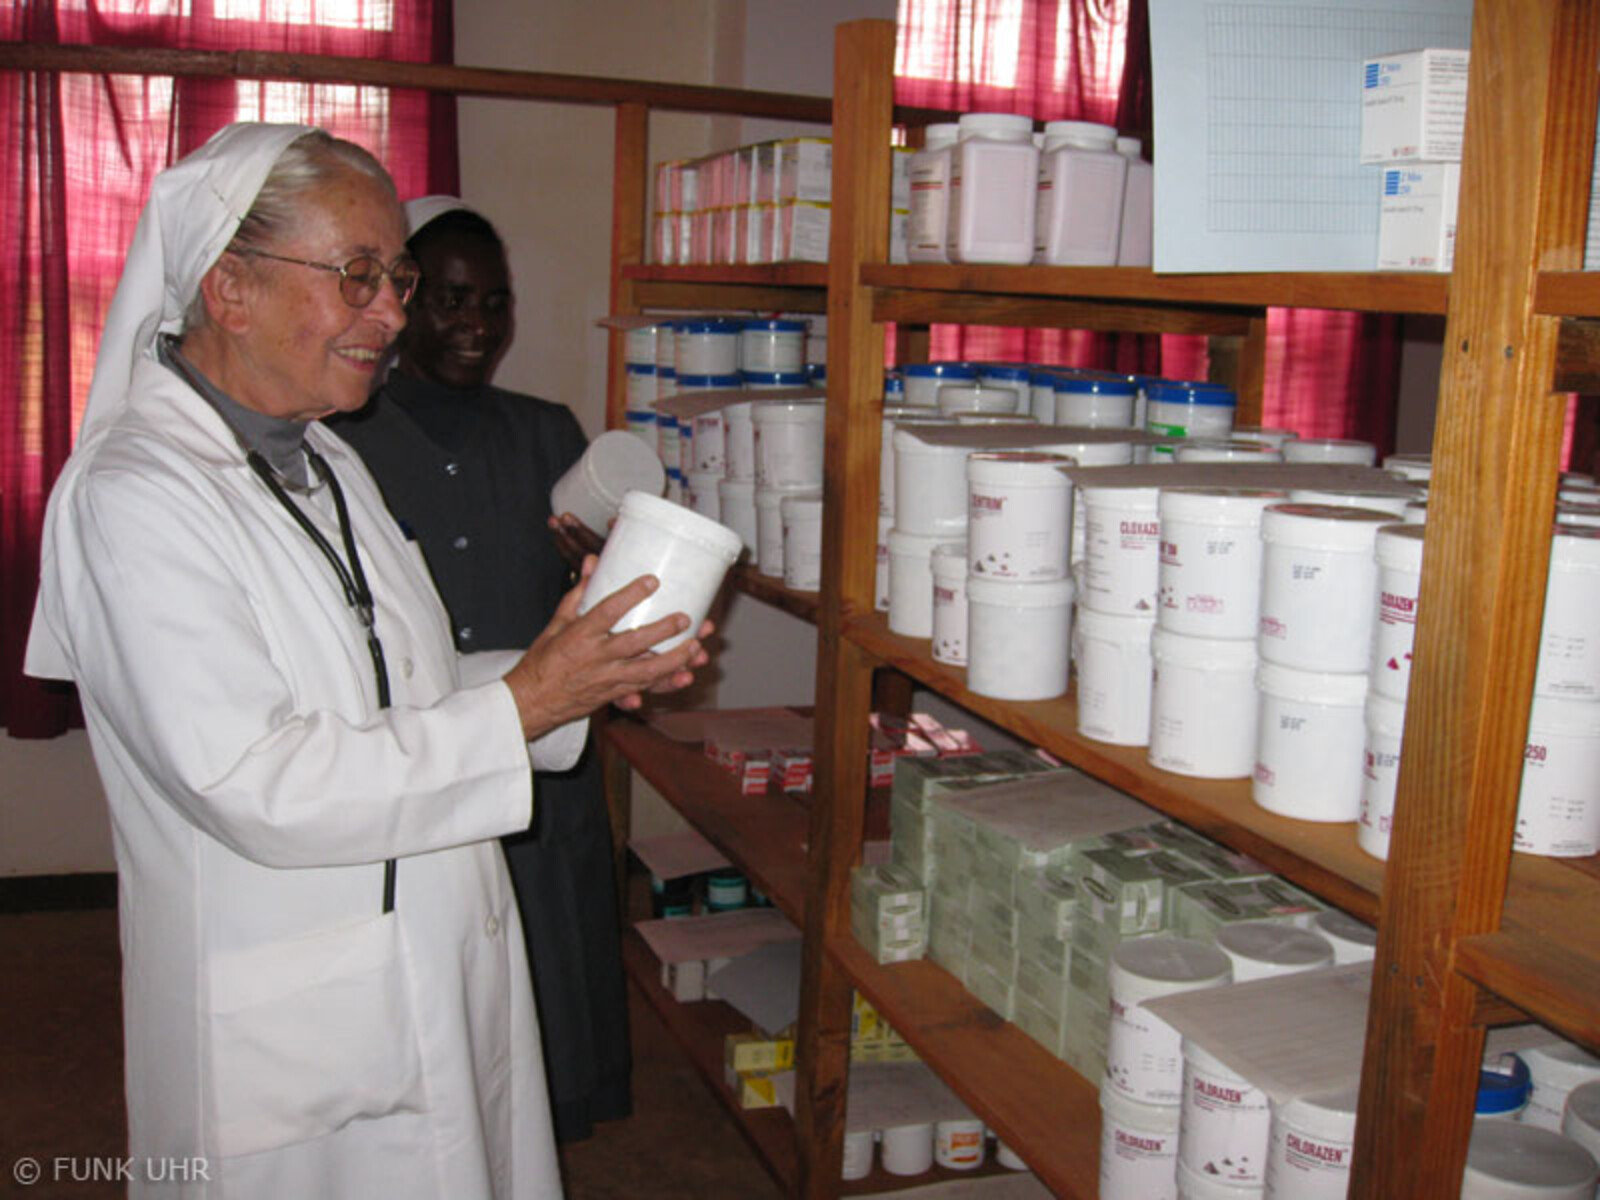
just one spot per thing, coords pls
(1558, 1068)
(1353, 498)
(930, 485)
(1318, 579)
(948, 564)
(1203, 704)
(1311, 735)
(666, 346)
(1138, 1148)
(1144, 1054)
(769, 527)
(1092, 403)
(1380, 771)
(639, 346)
(929, 170)
(788, 442)
(907, 1149)
(1189, 410)
(775, 381)
(1138, 206)
(1267, 949)
(1112, 654)
(739, 432)
(667, 449)
(1226, 1124)
(858, 1146)
(687, 552)
(1413, 468)
(612, 465)
(1569, 640)
(958, 1144)
(1352, 940)
(923, 380)
(1510, 1161)
(894, 415)
(1122, 540)
(1009, 375)
(1019, 515)
(975, 397)
(1398, 549)
(1263, 434)
(737, 503)
(705, 348)
(700, 493)
(911, 581)
(801, 515)
(1311, 1146)
(1219, 450)
(1416, 512)
(1581, 1119)
(1330, 450)
(994, 175)
(1081, 182)
(709, 441)
(1209, 571)
(1558, 806)
(1194, 1186)
(639, 388)
(1018, 638)
(772, 345)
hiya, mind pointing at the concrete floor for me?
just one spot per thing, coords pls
(61, 1082)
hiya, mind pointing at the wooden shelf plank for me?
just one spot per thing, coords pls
(1388, 292)
(1042, 1108)
(792, 274)
(1567, 293)
(771, 590)
(763, 835)
(1545, 958)
(1323, 859)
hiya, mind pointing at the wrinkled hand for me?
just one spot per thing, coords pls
(577, 665)
(574, 539)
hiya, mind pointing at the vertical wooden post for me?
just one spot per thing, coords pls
(1530, 106)
(629, 216)
(862, 107)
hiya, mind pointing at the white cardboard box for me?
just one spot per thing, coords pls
(1413, 106)
(1417, 220)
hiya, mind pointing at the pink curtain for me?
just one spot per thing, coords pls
(1329, 374)
(77, 154)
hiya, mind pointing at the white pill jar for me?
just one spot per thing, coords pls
(1311, 1146)
(1122, 540)
(994, 176)
(1018, 638)
(1267, 949)
(1144, 1054)
(802, 541)
(1319, 575)
(1399, 554)
(1081, 180)
(1569, 641)
(1309, 742)
(1209, 573)
(1510, 1161)
(1091, 402)
(1019, 514)
(1112, 654)
(1203, 704)
(612, 465)
(1385, 720)
(1138, 1148)
(1226, 1123)
(1330, 450)
(1558, 806)
(949, 567)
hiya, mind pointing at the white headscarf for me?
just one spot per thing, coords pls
(194, 210)
(423, 209)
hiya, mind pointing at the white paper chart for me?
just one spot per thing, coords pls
(1258, 128)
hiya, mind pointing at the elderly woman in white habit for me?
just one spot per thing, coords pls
(324, 986)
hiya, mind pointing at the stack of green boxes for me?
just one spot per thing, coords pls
(886, 912)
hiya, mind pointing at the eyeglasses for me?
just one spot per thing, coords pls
(362, 276)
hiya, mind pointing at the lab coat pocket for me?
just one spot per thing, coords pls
(311, 1033)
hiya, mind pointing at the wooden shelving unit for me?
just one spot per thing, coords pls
(1469, 934)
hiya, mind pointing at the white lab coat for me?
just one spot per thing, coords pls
(277, 1026)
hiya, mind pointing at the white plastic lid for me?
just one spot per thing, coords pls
(1217, 505)
(1330, 526)
(1507, 1160)
(1330, 1117)
(1561, 1065)
(1225, 450)
(1337, 926)
(1275, 944)
(1564, 718)
(1147, 967)
(1400, 547)
(682, 522)
(1093, 454)
(1418, 467)
(1152, 1118)
(1328, 450)
(802, 506)
(949, 561)
(1211, 654)
(1088, 134)
(1581, 1119)
(1144, 499)
(1130, 147)
(1389, 502)
(1311, 687)
(1385, 714)
(906, 441)
(774, 412)
(1115, 627)
(1008, 126)
(1019, 593)
(622, 463)
(940, 134)
(1022, 468)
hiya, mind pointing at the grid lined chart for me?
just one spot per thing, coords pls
(1258, 129)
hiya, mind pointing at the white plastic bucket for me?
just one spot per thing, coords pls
(700, 493)
(1319, 575)
(1112, 654)
(892, 416)
(1138, 1148)
(1226, 1122)
(907, 1149)
(1558, 806)
(1224, 450)
(1093, 403)
(1581, 1119)
(1267, 949)
(709, 442)
(687, 552)
(1008, 375)
(1352, 940)
(612, 465)
(858, 1145)
(705, 348)
(639, 346)
(769, 527)
(739, 433)
(801, 516)
(1311, 1146)
(1209, 572)
(976, 397)
(772, 345)
(958, 1144)
(949, 567)
(1380, 770)
(1557, 1069)
(911, 581)
(1399, 555)
(1569, 641)
(1309, 743)
(737, 502)
(1330, 450)
(1203, 705)
(1189, 410)
(1511, 1161)
(1144, 1055)
(1194, 1186)
(1018, 638)
(1122, 540)
(923, 380)
(788, 442)
(639, 388)
(1019, 515)
(930, 485)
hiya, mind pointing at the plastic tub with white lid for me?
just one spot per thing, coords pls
(1330, 450)
(700, 492)
(788, 442)
(1264, 434)
(1558, 804)
(1352, 940)
(1389, 502)
(930, 484)
(1226, 1123)
(1209, 574)
(994, 172)
(1311, 1147)
(1019, 514)
(948, 565)
(1266, 949)
(1138, 1147)
(1194, 1185)
(911, 580)
(1014, 376)
(688, 553)
(736, 503)
(772, 344)
(1094, 402)
(1203, 705)
(1569, 636)
(801, 517)
(1144, 1054)
(1580, 1121)
(612, 465)
(1189, 409)
(1558, 1068)
(706, 347)
(1507, 1160)
(1122, 537)
(1018, 638)
(923, 380)
(1380, 772)
(1080, 192)
(773, 381)
(769, 527)
(1319, 576)
(1311, 734)
(976, 396)
(1112, 655)
(1398, 550)
(1414, 468)
(1224, 450)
